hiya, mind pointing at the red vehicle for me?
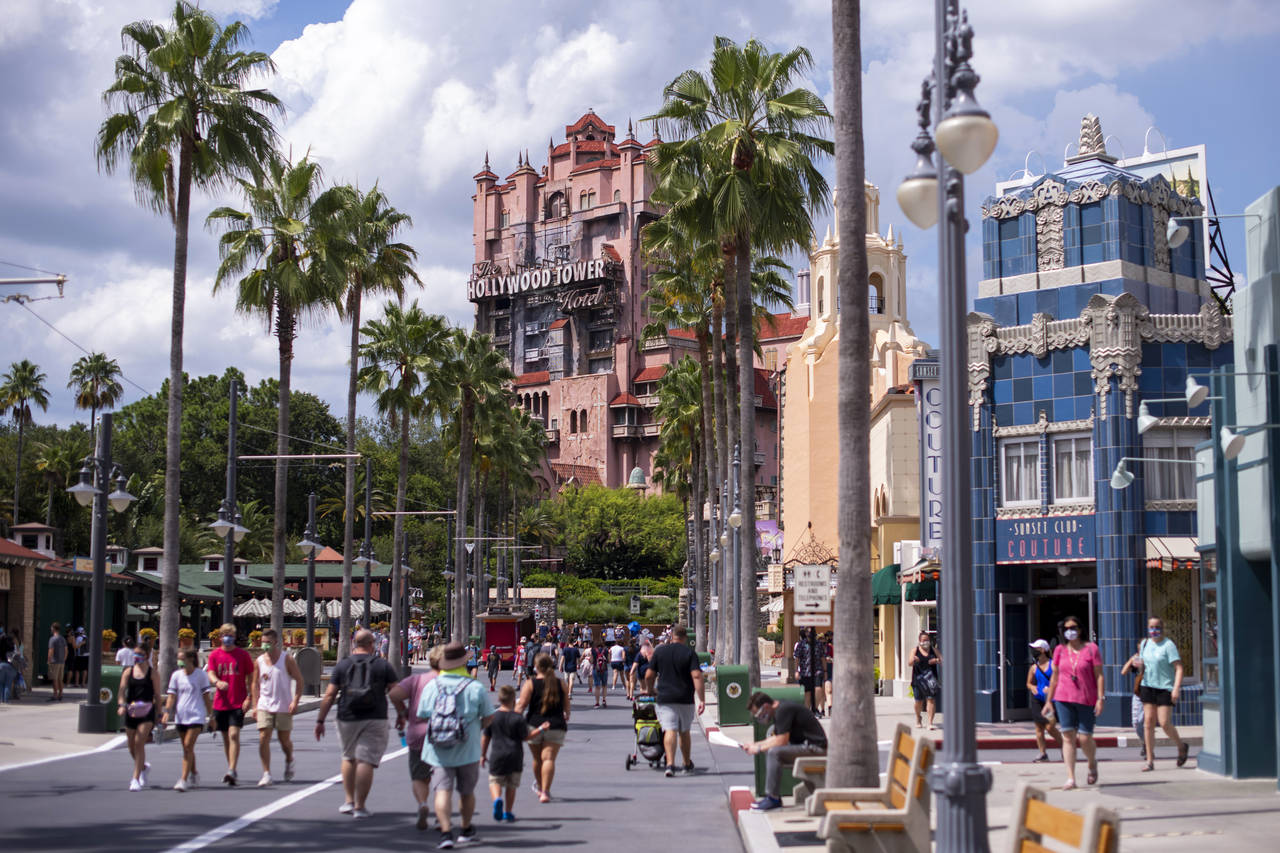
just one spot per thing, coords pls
(502, 630)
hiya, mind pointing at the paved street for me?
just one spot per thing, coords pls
(84, 803)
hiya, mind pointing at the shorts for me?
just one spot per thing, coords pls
(233, 718)
(419, 770)
(675, 718)
(616, 666)
(506, 780)
(1037, 712)
(1073, 717)
(134, 722)
(599, 678)
(55, 671)
(553, 736)
(183, 728)
(1156, 696)
(363, 741)
(461, 779)
(806, 681)
(281, 721)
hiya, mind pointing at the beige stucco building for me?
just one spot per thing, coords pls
(810, 449)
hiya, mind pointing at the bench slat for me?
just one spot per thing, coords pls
(901, 774)
(1029, 846)
(1056, 823)
(897, 798)
(838, 805)
(1107, 839)
(871, 827)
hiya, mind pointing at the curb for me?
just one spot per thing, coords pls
(1103, 741)
(756, 833)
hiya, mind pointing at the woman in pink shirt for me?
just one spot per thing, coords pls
(1075, 697)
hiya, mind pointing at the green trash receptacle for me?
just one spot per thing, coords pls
(761, 731)
(704, 658)
(107, 695)
(733, 689)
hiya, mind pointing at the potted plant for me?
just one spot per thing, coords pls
(186, 638)
(215, 638)
(108, 640)
(255, 639)
(299, 637)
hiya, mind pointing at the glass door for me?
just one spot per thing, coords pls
(1015, 628)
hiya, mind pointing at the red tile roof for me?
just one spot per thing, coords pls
(611, 253)
(785, 325)
(767, 400)
(687, 334)
(560, 324)
(585, 474)
(651, 374)
(588, 118)
(590, 146)
(328, 555)
(13, 551)
(537, 377)
(485, 173)
(624, 399)
(611, 163)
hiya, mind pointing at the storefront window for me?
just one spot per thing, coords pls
(1166, 482)
(1209, 621)
(1173, 595)
(1020, 463)
(1072, 468)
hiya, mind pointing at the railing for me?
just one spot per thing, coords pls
(553, 435)
(759, 458)
(625, 430)
(650, 430)
(534, 355)
(875, 304)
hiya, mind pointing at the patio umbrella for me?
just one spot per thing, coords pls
(255, 608)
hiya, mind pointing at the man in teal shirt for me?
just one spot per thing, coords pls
(1160, 689)
(457, 766)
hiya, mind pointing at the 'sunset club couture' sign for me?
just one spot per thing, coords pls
(483, 286)
(1055, 539)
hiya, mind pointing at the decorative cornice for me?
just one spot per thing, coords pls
(1044, 426)
(1081, 508)
(1170, 506)
(1056, 191)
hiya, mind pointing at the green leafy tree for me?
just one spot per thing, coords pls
(96, 381)
(618, 534)
(22, 386)
(185, 117)
(59, 461)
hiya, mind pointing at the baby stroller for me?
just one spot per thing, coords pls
(644, 714)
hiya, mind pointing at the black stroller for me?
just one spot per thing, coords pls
(644, 715)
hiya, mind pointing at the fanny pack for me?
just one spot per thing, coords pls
(139, 709)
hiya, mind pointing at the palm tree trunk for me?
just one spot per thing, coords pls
(732, 417)
(173, 427)
(719, 462)
(748, 647)
(854, 760)
(349, 493)
(397, 604)
(285, 325)
(709, 466)
(461, 618)
(48, 507)
(17, 473)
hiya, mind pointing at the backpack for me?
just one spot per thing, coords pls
(602, 660)
(358, 694)
(446, 729)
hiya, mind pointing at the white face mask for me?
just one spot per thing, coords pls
(1071, 634)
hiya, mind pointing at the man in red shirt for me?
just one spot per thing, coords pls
(231, 671)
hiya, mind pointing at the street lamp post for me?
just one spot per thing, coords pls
(96, 477)
(309, 547)
(469, 573)
(726, 576)
(735, 523)
(934, 192)
(404, 604)
(366, 548)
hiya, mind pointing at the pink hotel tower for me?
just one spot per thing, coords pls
(559, 282)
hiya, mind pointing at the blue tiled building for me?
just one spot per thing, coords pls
(1084, 313)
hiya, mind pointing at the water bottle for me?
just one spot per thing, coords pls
(403, 742)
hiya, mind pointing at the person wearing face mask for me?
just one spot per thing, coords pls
(796, 732)
(1161, 668)
(230, 669)
(276, 692)
(1075, 697)
(1038, 678)
(139, 690)
(926, 686)
(188, 704)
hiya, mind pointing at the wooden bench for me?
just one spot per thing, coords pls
(1034, 822)
(810, 771)
(893, 817)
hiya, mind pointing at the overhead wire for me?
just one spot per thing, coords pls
(78, 346)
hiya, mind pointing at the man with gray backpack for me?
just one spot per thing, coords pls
(456, 709)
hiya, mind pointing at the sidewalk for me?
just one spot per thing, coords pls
(1169, 809)
(35, 729)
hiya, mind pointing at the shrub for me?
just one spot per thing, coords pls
(186, 634)
(255, 638)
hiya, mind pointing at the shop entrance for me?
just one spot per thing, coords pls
(1014, 629)
(1050, 608)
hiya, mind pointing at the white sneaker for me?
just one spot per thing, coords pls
(193, 780)
(289, 769)
(142, 777)
(346, 808)
(135, 785)
(359, 813)
(181, 786)
(265, 781)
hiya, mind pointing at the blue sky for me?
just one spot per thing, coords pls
(412, 93)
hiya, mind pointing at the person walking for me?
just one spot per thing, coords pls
(408, 693)
(569, 658)
(618, 664)
(802, 653)
(926, 686)
(1038, 677)
(230, 669)
(600, 674)
(1076, 691)
(640, 668)
(124, 655)
(796, 732)
(518, 665)
(1161, 667)
(473, 659)
(500, 750)
(57, 660)
(276, 692)
(677, 673)
(456, 708)
(136, 703)
(828, 655)
(189, 706)
(542, 701)
(79, 659)
(360, 683)
(1136, 711)
(493, 663)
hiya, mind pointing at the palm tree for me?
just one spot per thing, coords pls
(471, 374)
(758, 140)
(854, 758)
(282, 240)
(677, 465)
(185, 118)
(374, 262)
(57, 461)
(96, 381)
(399, 354)
(19, 388)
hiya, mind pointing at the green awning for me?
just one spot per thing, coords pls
(884, 586)
(925, 590)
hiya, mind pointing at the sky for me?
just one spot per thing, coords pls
(411, 94)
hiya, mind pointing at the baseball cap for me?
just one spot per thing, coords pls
(1043, 645)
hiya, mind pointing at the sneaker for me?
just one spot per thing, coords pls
(265, 781)
(497, 809)
(230, 778)
(669, 772)
(289, 769)
(135, 785)
(508, 817)
(193, 780)
(688, 768)
(765, 804)
(424, 812)
(346, 808)
(142, 777)
(181, 786)
(446, 841)
(467, 835)
(1040, 759)
(360, 813)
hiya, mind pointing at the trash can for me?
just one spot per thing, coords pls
(704, 658)
(761, 731)
(733, 689)
(107, 695)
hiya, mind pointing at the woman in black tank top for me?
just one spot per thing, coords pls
(139, 688)
(543, 700)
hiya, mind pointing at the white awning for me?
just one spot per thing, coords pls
(1172, 552)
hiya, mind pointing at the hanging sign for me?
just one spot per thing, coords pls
(812, 589)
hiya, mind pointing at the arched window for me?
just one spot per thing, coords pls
(582, 421)
(591, 198)
(617, 195)
(583, 204)
(546, 401)
(573, 422)
(506, 218)
(557, 206)
(875, 293)
(822, 296)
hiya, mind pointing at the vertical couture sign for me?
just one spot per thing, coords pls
(929, 407)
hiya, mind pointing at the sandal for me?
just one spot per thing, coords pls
(1148, 767)
(1182, 753)
(1092, 778)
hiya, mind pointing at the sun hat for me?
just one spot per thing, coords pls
(454, 656)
